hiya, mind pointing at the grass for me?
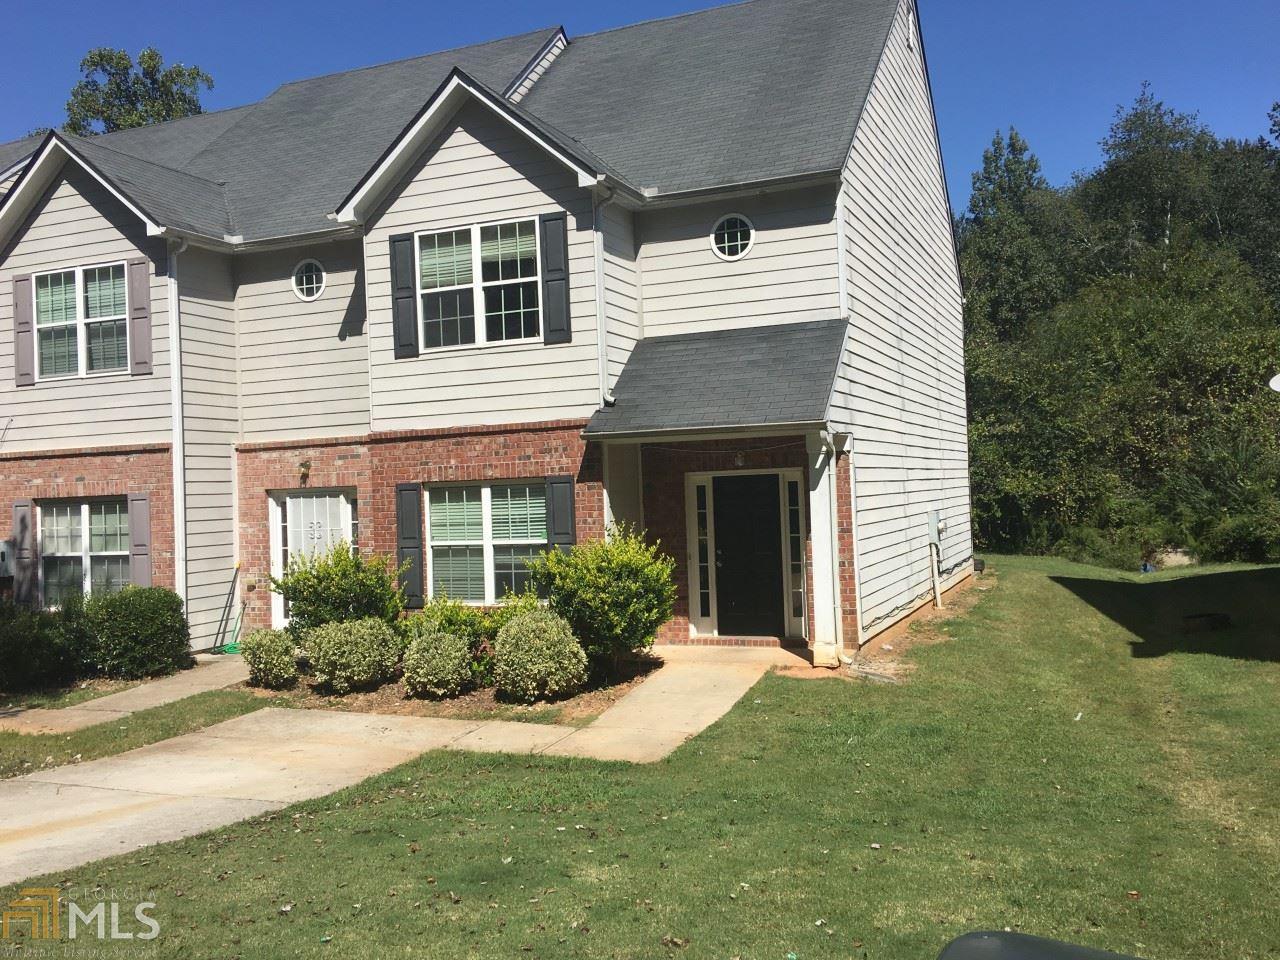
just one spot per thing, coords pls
(25, 753)
(68, 695)
(1064, 765)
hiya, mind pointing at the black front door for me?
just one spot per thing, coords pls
(748, 536)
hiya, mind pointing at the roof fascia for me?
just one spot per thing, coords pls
(396, 159)
(679, 434)
(652, 198)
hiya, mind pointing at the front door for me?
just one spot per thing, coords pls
(748, 556)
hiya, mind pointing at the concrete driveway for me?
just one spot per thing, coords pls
(263, 761)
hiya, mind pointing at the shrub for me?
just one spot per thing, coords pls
(509, 607)
(536, 657)
(35, 649)
(338, 586)
(444, 615)
(615, 593)
(352, 655)
(138, 632)
(436, 664)
(271, 657)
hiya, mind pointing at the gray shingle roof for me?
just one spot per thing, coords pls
(760, 90)
(15, 150)
(745, 377)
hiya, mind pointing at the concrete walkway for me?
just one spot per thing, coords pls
(71, 815)
(209, 673)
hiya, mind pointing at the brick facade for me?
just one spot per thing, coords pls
(89, 472)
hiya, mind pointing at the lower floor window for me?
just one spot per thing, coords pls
(84, 548)
(307, 524)
(482, 537)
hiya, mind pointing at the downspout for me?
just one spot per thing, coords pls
(833, 505)
(601, 198)
(178, 448)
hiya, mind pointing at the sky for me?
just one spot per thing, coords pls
(1055, 69)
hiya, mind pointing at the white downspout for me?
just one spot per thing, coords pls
(602, 317)
(178, 447)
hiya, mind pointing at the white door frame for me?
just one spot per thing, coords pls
(275, 515)
(700, 626)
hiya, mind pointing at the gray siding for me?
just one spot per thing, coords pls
(211, 424)
(624, 309)
(790, 274)
(304, 367)
(479, 170)
(902, 388)
(538, 70)
(78, 223)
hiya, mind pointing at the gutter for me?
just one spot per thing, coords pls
(599, 202)
(176, 412)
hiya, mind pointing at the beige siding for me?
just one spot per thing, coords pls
(482, 170)
(304, 367)
(78, 223)
(624, 310)
(210, 424)
(902, 390)
(538, 70)
(790, 274)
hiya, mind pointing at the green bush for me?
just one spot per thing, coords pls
(36, 649)
(536, 657)
(436, 664)
(271, 657)
(338, 586)
(615, 593)
(352, 655)
(509, 607)
(138, 632)
(445, 615)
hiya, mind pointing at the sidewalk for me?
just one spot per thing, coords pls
(209, 673)
(263, 761)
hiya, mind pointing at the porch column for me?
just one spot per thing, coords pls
(623, 502)
(827, 620)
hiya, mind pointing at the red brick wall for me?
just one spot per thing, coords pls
(97, 472)
(846, 576)
(373, 465)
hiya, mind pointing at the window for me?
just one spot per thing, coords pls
(732, 237)
(82, 323)
(491, 267)
(84, 549)
(308, 280)
(304, 524)
(482, 538)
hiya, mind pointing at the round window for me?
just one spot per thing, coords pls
(732, 237)
(308, 280)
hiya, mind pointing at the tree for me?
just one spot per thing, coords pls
(116, 95)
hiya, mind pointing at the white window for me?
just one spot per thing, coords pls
(305, 524)
(732, 237)
(84, 548)
(82, 321)
(308, 280)
(479, 284)
(482, 537)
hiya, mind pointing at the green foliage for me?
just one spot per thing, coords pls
(436, 664)
(615, 593)
(138, 632)
(352, 655)
(116, 95)
(337, 586)
(35, 649)
(1119, 337)
(271, 657)
(445, 615)
(537, 658)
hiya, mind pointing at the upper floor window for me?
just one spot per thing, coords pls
(308, 280)
(479, 284)
(82, 321)
(84, 548)
(732, 237)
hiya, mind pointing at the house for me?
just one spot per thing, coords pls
(695, 275)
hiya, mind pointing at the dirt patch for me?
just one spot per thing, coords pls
(474, 705)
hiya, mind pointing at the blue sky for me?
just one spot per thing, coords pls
(1056, 70)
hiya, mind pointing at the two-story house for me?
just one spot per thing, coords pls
(695, 274)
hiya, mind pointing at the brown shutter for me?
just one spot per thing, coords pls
(25, 548)
(561, 530)
(139, 317)
(24, 336)
(139, 540)
(409, 541)
(404, 296)
(556, 327)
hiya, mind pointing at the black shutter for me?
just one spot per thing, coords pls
(556, 327)
(409, 541)
(24, 337)
(404, 297)
(139, 540)
(139, 284)
(561, 531)
(25, 561)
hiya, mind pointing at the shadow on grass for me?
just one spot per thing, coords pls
(1234, 614)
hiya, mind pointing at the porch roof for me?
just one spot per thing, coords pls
(744, 377)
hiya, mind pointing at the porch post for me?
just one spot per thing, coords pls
(822, 524)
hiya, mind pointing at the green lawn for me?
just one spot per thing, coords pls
(56, 698)
(1052, 768)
